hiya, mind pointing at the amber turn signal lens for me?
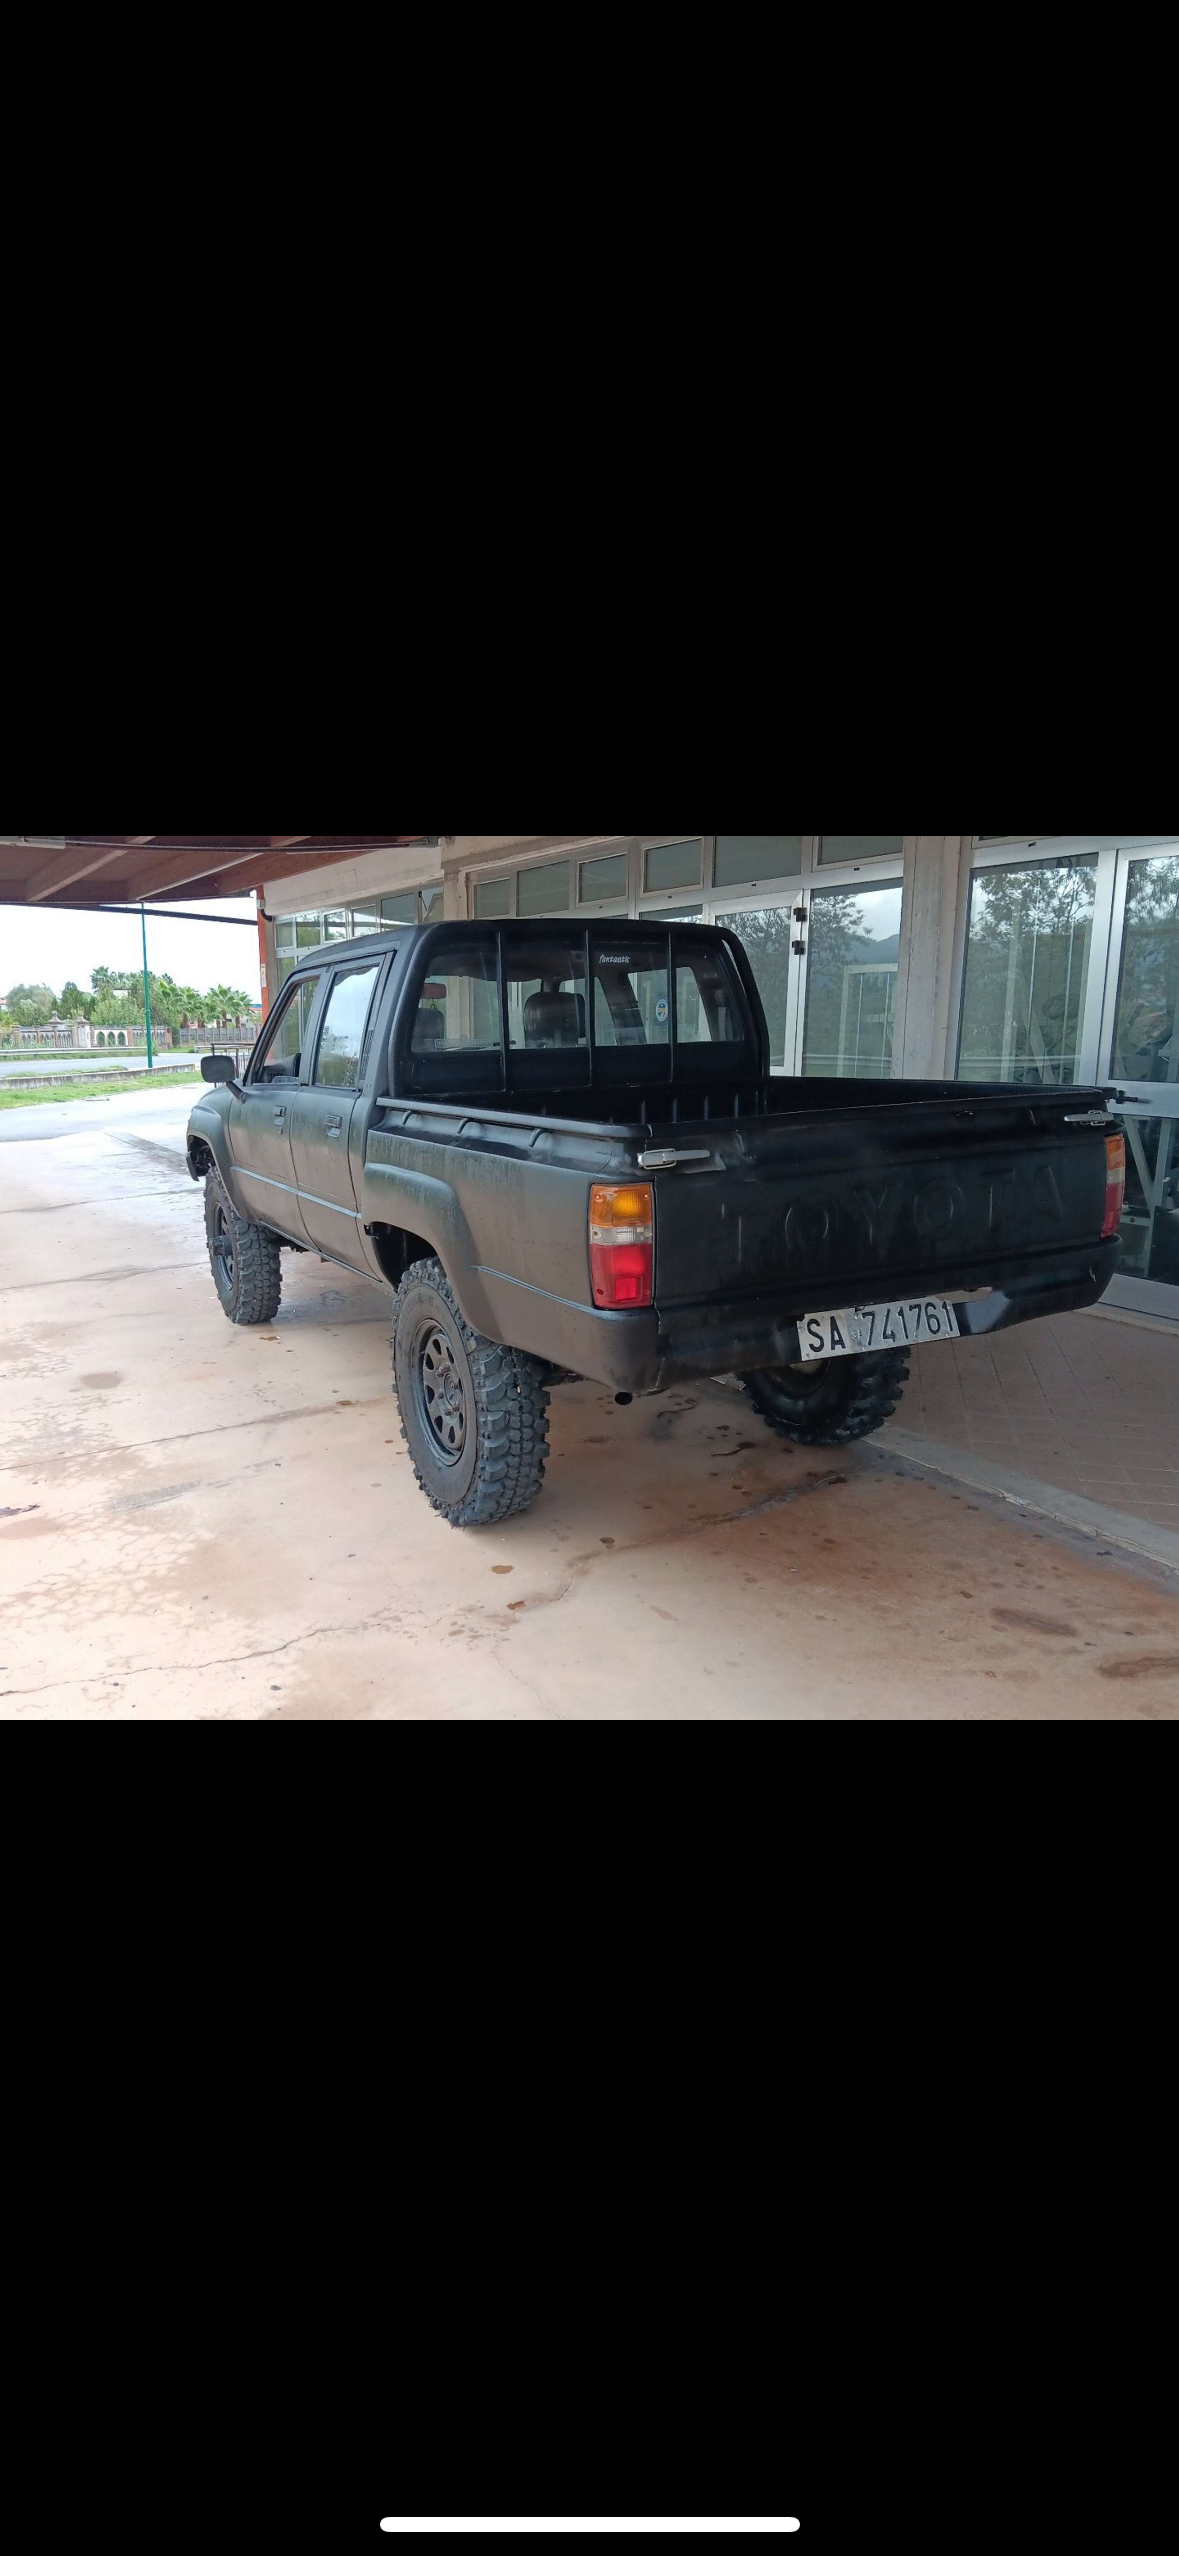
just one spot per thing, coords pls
(631, 1206)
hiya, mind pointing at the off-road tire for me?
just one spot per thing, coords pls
(833, 1401)
(474, 1415)
(245, 1259)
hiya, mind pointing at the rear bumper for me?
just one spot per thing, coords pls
(712, 1339)
(644, 1352)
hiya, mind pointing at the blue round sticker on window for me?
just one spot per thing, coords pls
(661, 1009)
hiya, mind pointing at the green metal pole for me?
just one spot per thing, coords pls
(146, 991)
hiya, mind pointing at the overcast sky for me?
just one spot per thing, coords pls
(40, 946)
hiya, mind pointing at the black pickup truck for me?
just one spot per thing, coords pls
(563, 1147)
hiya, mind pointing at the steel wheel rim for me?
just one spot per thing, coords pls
(223, 1244)
(441, 1394)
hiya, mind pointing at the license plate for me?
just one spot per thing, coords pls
(862, 1327)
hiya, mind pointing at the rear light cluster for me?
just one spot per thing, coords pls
(1115, 1185)
(622, 1246)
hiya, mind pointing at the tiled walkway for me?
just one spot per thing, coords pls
(1082, 1401)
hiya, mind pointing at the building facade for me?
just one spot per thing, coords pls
(1033, 960)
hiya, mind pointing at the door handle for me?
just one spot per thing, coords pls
(335, 1126)
(279, 1116)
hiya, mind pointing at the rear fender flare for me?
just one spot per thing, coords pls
(422, 1205)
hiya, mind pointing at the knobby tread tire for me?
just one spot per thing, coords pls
(510, 1416)
(864, 1393)
(255, 1293)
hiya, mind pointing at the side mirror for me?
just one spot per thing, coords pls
(218, 1069)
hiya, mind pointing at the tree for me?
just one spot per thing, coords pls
(227, 1002)
(32, 1003)
(73, 1002)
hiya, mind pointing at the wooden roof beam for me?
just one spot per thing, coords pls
(80, 863)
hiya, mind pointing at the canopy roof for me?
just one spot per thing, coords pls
(125, 869)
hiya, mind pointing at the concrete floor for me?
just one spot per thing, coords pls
(203, 1523)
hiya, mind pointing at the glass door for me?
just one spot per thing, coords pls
(849, 962)
(774, 935)
(1140, 1051)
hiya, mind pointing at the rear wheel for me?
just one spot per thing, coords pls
(244, 1258)
(830, 1401)
(474, 1415)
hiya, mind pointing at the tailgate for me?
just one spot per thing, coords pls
(835, 1204)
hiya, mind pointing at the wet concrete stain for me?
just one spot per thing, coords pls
(1021, 1620)
(100, 1383)
(1149, 1664)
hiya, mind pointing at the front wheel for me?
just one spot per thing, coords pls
(474, 1415)
(244, 1258)
(829, 1402)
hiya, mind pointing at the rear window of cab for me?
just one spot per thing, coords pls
(542, 1009)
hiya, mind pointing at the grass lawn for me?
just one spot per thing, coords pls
(78, 1090)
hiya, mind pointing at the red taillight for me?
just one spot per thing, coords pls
(1115, 1185)
(622, 1246)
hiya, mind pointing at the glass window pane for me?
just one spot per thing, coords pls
(767, 937)
(308, 931)
(342, 1037)
(853, 940)
(746, 858)
(673, 865)
(707, 1012)
(433, 903)
(608, 877)
(1027, 972)
(543, 891)
(492, 897)
(458, 1010)
(284, 934)
(631, 1004)
(545, 987)
(860, 847)
(281, 1056)
(400, 909)
(1150, 1226)
(335, 925)
(364, 918)
(1146, 1032)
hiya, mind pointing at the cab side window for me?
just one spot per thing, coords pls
(281, 1054)
(341, 1040)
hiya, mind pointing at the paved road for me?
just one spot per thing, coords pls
(74, 1061)
(205, 1523)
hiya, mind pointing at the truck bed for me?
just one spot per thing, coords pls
(805, 1196)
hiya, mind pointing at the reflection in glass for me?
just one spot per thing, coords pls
(1027, 972)
(854, 937)
(744, 858)
(1146, 1032)
(767, 937)
(543, 891)
(433, 903)
(342, 1036)
(492, 897)
(1150, 1226)
(673, 865)
(399, 909)
(607, 877)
